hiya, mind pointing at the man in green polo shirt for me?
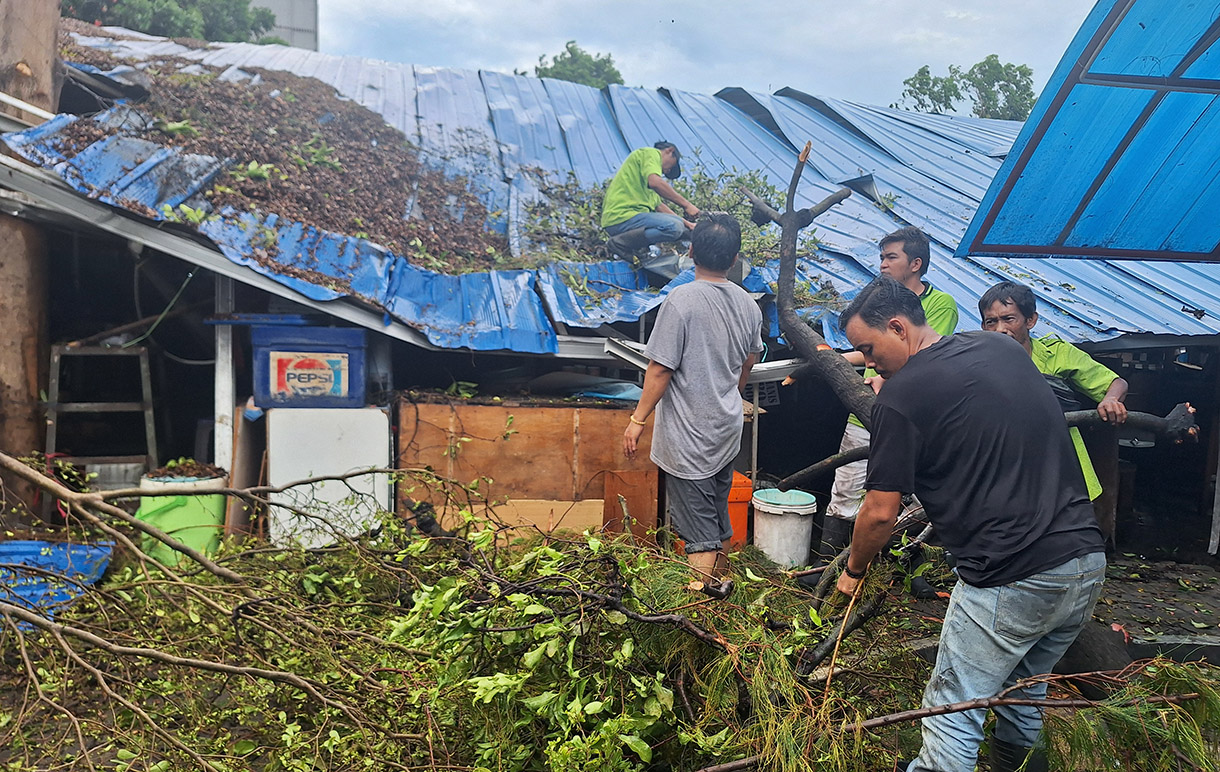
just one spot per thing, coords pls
(1012, 309)
(905, 257)
(633, 213)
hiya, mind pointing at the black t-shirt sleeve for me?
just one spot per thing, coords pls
(893, 451)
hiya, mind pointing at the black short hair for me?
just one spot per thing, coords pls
(716, 240)
(1010, 293)
(881, 300)
(914, 244)
(663, 145)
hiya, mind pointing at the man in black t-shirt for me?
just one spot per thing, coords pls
(972, 429)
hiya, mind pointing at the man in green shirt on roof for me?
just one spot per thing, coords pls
(1012, 309)
(633, 213)
(905, 257)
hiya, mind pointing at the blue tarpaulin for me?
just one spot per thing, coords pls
(508, 133)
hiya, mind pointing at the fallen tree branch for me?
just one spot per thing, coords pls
(991, 702)
(9, 610)
(1178, 425)
(751, 762)
(825, 466)
(86, 501)
(843, 379)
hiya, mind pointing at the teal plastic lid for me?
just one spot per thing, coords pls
(776, 502)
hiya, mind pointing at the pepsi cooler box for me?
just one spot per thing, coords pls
(308, 366)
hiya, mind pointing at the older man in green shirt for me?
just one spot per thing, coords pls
(633, 213)
(905, 257)
(1012, 309)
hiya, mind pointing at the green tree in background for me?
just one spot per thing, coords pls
(579, 66)
(928, 93)
(999, 89)
(222, 20)
(996, 89)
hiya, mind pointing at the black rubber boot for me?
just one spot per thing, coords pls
(836, 534)
(627, 243)
(1008, 757)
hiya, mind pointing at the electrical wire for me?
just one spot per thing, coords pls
(135, 291)
(160, 317)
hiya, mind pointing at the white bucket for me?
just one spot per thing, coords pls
(783, 525)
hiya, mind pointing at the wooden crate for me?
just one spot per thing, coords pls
(554, 454)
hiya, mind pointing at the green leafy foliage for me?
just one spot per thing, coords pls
(221, 20)
(315, 152)
(178, 128)
(254, 170)
(494, 649)
(579, 66)
(186, 214)
(924, 92)
(996, 90)
(1000, 89)
(722, 193)
(564, 224)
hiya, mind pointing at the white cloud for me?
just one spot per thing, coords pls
(860, 50)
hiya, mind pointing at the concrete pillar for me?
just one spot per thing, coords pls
(23, 346)
(29, 54)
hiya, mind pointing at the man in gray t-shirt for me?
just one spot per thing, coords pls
(707, 337)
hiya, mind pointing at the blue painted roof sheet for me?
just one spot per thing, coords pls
(1121, 155)
(506, 133)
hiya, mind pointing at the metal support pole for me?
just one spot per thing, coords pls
(225, 391)
(754, 438)
(1214, 543)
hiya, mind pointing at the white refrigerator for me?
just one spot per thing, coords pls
(304, 443)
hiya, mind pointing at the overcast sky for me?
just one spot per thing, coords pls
(852, 49)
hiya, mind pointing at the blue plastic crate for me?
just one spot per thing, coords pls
(45, 576)
(309, 366)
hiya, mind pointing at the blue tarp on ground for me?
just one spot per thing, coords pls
(504, 131)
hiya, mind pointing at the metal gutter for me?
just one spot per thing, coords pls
(50, 191)
(765, 372)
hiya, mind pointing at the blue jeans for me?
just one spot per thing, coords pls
(657, 226)
(993, 637)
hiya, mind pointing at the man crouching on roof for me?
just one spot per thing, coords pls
(707, 337)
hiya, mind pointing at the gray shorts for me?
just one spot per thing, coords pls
(699, 509)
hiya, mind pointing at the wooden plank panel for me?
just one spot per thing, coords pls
(423, 441)
(600, 449)
(534, 462)
(548, 516)
(550, 453)
(639, 488)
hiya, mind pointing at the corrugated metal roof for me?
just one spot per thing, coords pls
(1121, 155)
(487, 311)
(589, 295)
(925, 170)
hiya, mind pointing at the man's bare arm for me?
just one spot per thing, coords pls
(874, 524)
(751, 360)
(667, 192)
(656, 381)
(1111, 408)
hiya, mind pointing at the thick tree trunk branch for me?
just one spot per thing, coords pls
(1178, 425)
(825, 466)
(843, 379)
